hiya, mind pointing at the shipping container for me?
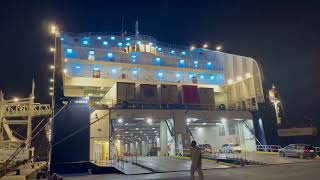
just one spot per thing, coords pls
(169, 94)
(126, 92)
(148, 93)
(206, 96)
(189, 94)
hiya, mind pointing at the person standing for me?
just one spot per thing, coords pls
(196, 160)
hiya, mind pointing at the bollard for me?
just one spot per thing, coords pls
(241, 162)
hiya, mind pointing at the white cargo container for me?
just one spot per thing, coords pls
(206, 96)
(148, 93)
(126, 92)
(169, 94)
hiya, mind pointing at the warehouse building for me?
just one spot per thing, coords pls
(133, 95)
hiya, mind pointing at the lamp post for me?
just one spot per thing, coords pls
(54, 31)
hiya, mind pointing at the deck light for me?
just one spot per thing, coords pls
(99, 37)
(69, 51)
(219, 48)
(205, 46)
(110, 55)
(120, 120)
(223, 120)
(52, 49)
(54, 29)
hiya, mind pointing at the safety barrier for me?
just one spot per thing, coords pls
(268, 148)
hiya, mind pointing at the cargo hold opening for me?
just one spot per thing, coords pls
(140, 136)
(213, 135)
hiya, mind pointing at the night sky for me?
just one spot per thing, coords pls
(284, 37)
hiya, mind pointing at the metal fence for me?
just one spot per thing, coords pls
(268, 148)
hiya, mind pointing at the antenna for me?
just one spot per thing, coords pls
(122, 34)
(137, 28)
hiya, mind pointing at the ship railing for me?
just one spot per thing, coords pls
(10, 144)
(147, 76)
(143, 105)
(24, 110)
(69, 38)
(268, 148)
(146, 58)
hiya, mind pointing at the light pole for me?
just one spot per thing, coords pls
(55, 32)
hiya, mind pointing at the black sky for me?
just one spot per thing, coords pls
(284, 36)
